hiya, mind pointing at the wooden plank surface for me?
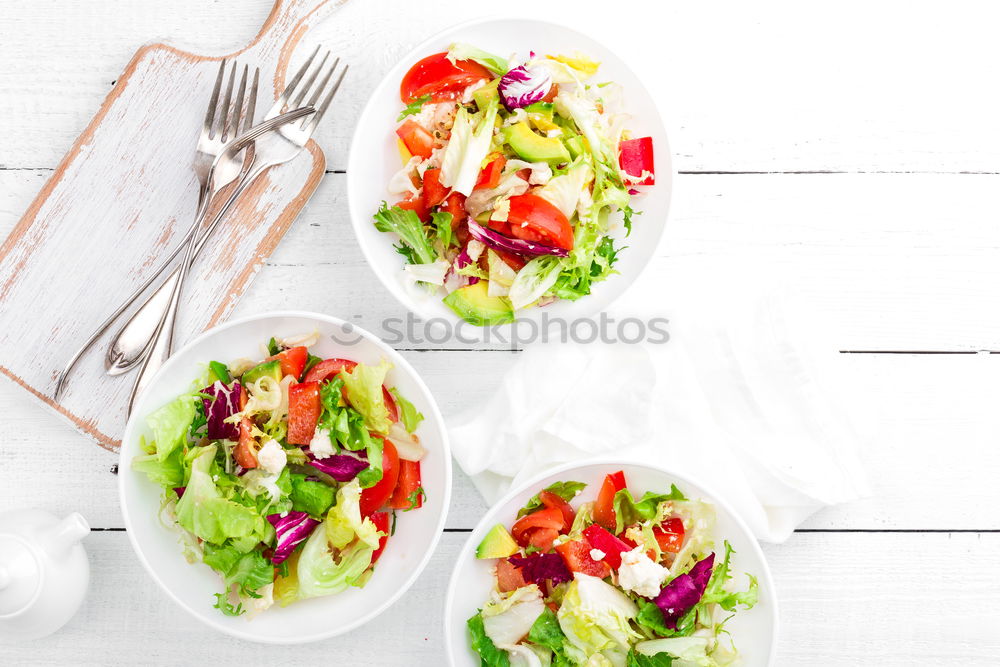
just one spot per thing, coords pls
(893, 262)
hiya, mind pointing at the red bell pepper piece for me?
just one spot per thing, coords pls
(612, 547)
(548, 518)
(670, 535)
(635, 157)
(304, 408)
(408, 494)
(604, 507)
(418, 140)
(293, 361)
(576, 554)
(434, 192)
(489, 177)
(381, 521)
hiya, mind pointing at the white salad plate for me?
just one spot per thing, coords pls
(754, 631)
(192, 585)
(374, 158)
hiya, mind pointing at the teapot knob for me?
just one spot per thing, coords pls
(62, 536)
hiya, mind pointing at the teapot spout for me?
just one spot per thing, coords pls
(61, 537)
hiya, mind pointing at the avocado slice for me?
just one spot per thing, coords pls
(485, 93)
(575, 146)
(497, 544)
(475, 306)
(268, 368)
(534, 147)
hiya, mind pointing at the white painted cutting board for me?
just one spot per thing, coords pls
(121, 199)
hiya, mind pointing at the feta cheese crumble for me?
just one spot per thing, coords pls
(321, 446)
(639, 574)
(272, 457)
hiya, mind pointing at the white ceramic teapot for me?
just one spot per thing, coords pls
(43, 572)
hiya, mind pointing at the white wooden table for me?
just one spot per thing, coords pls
(853, 146)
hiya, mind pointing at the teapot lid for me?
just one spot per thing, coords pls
(20, 576)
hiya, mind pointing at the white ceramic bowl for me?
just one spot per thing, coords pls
(192, 586)
(374, 159)
(754, 631)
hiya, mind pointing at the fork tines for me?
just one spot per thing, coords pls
(228, 125)
(322, 92)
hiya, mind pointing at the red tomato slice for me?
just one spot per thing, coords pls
(544, 518)
(381, 521)
(608, 543)
(390, 405)
(434, 192)
(328, 367)
(245, 453)
(551, 95)
(635, 157)
(435, 75)
(515, 262)
(417, 139)
(489, 177)
(553, 501)
(455, 204)
(535, 219)
(293, 361)
(509, 577)
(604, 507)
(542, 538)
(406, 495)
(416, 204)
(670, 535)
(576, 554)
(304, 408)
(375, 497)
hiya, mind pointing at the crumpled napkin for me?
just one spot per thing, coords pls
(738, 400)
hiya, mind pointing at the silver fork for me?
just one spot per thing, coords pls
(210, 144)
(270, 149)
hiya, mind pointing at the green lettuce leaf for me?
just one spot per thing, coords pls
(716, 592)
(320, 572)
(595, 617)
(249, 570)
(629, 511)
(409, 415)
(344, 522)
(171, 422)
(657, 660)
(471, 135)
(413, 107)
(547, 633)
(167, 472)
(410, 230)
(489, 654)
(565, 490)
(204, 512)
(364, 393)
(460, 51)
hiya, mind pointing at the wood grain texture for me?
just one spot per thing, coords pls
(120, 199)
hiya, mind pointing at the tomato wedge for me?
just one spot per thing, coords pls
(375, 497)
(553, 501)
(543, 518)
(489, 177)
(635, 157)
(328, 367)
(416, 204)
(509, 577)
(455, 204)
(542, 538)
(304, 408)
(434, 192)
(417, 139)
(604, 507)
(245, 453)
(293, 361)
(408, 492)
(612, 547)
(670, 535)
(435, 75)
(576, 554)
(381, 521)
(535, 219)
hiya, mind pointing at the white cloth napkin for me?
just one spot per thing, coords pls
(736, 400)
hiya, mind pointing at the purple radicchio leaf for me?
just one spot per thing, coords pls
(684, 591)
(341, 467)
(524, 85)
(224, 403)
(290, 531)
(538, 567)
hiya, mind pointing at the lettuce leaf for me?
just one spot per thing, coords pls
(167, 472)
(489, 654)
(409, 415)
(311, 497)
(204, 512)
(410, 230)
(629, 511)
(471, 136)
(364, 393)
(595, 617)
(508, 617)
(546, 632)
(319, 572)
(170, 424)
(250, 570)
(461, 51)
(534, 280)
(344, 522)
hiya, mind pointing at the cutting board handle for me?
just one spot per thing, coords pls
(284, 28)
